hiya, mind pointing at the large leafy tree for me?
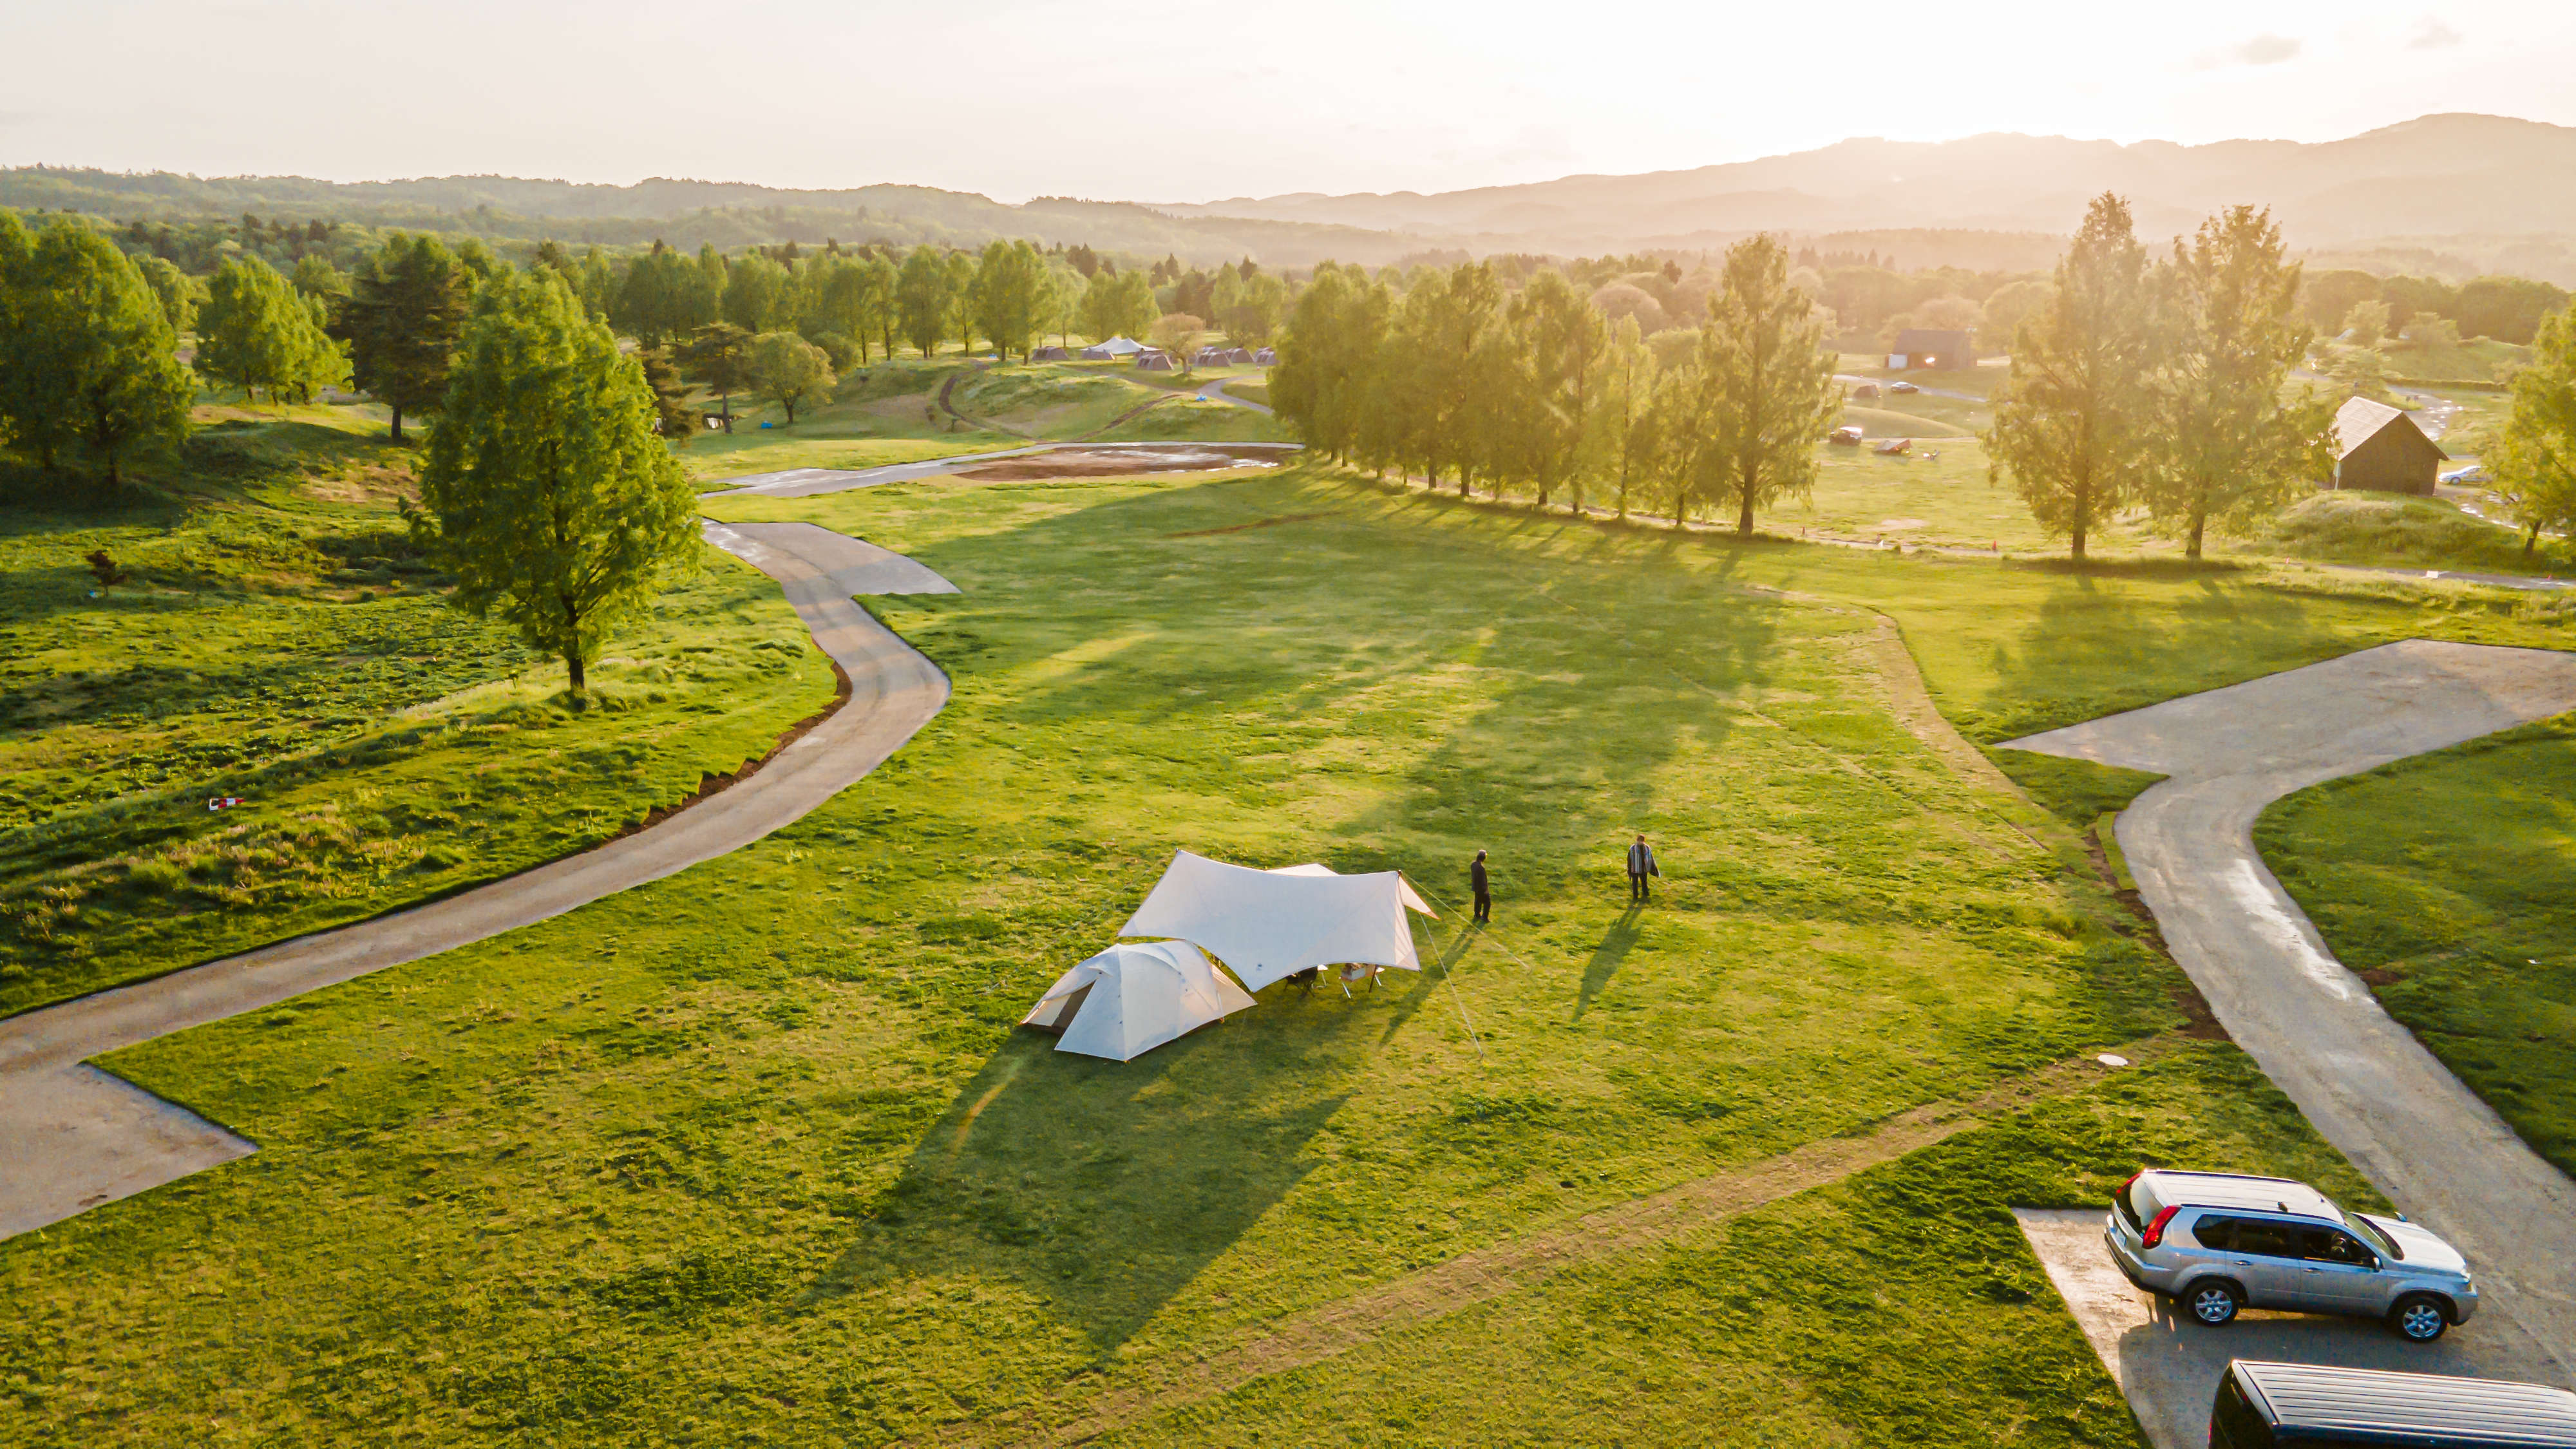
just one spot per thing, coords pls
(1770, 382)
(959, 269)
(921, 298)
(1330, 358)
(87, 355)
(1435, 332)
(255, 332)
(1564, 339)
(2074, 419)
(546, 493)
(664, 296)
(788, 370)
(1010, 295)
(1116, 304)
(402, 320)
(878, 281)
(2535, 457)
(1619, 447)
(758, 295)
(174, 289)
(2230, 332)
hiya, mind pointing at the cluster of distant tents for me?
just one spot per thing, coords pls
(1155, 359)
(1264, 926)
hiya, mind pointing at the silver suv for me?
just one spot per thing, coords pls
(2215, 1242)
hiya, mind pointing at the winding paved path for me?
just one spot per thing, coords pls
(72, 1137)
(2439, 1152)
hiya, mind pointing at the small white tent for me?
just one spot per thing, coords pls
(1134, 997)
(1269, 924)
(1115, 347)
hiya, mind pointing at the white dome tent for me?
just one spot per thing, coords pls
(1134, 997)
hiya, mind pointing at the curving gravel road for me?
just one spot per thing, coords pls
(73, 1137)
(2440, 1154)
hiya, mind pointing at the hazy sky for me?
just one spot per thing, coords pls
(1183, 102)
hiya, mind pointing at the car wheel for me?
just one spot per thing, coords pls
(2418, 1318)
(2214, 1303)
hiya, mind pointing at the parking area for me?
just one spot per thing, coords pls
(2168, 1366)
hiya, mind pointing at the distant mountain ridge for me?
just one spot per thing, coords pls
(2437, 176)
(2452, 193)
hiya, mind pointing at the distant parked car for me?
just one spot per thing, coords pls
(1902, 386)
(1894, 448)
(2470, 474)
(1844, 437)
(1866, 392)
(2215, 1242)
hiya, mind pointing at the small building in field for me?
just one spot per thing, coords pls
(1936, 348)
(2379, 448)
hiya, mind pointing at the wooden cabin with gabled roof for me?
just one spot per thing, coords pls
(2379, 448)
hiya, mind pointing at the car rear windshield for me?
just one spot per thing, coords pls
(2127, 1210)
(2370, 1233)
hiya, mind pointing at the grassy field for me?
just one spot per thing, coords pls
(278, 639)
(753, 1154)
(2392, 528)
(2449, 882)
(883, 413)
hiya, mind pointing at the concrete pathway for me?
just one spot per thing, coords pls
(2167, 1365)
(1215, 392)
(72, 1137)
(2443, 1156)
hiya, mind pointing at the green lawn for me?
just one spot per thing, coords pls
(279, 640)
(1199, 422)
(2449, 882)
(753, 1154)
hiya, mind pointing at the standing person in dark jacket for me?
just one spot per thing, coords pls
(1484, 897)
(1641, 864)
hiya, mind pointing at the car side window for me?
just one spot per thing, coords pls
(2214, 1231)
(2265, 1239)
(2330, 1245)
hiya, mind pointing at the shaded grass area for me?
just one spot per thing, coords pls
(754, 1151)
(1198, 422)
(278, 639)
(2448, 881)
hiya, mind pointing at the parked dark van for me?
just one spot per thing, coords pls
(2265, 1404)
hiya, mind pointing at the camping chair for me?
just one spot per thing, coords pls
(1358, 972)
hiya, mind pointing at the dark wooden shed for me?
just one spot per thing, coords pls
(2379, 448)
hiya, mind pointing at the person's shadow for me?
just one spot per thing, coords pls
(1607, 956)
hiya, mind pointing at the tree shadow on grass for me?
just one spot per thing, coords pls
(1107, 1187)
(2094, 648)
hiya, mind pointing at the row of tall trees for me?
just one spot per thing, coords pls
(2162, 382)
(1541, 391)
(88, 356)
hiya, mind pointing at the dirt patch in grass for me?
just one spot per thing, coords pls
(1120, 463)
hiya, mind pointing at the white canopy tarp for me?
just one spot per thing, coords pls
(1269, 924)
(1134, 997)
(1114, 347)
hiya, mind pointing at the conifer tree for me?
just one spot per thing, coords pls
(718, 358)
(546, 493)
(1770, 382)
(402, 320)
(2229, 333)
(2073, 419)
(2535, 458)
